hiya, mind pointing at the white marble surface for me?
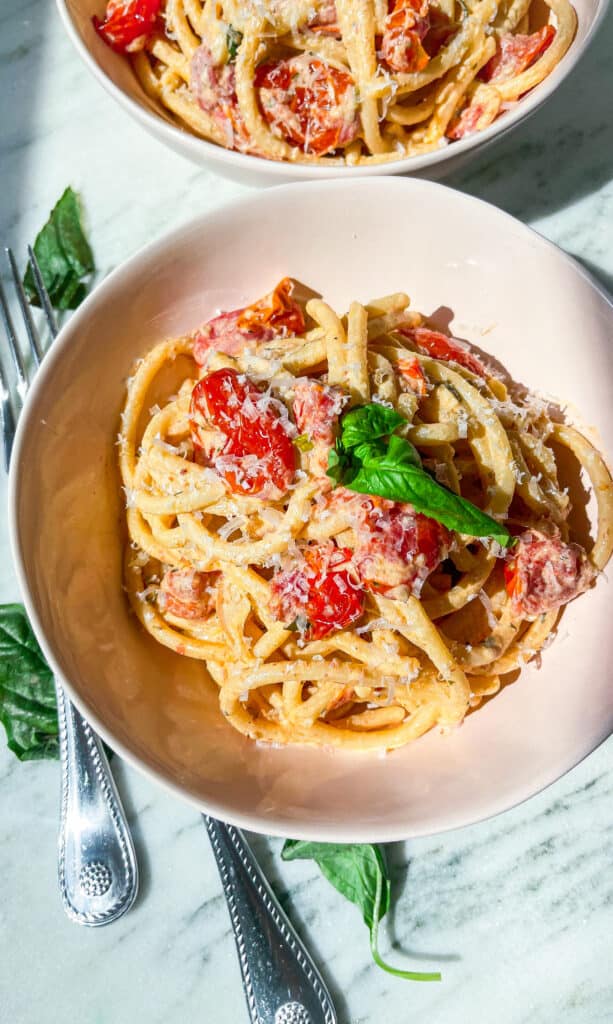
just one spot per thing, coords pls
(518, 911)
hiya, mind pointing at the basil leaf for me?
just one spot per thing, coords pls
(340, 464)
(367, 422)
(353, 869)
(398, 450)
(28, 709)
(234, 39)
(393, 474)
(63, 255)
(359, 872)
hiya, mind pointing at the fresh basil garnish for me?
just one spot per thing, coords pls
(63, 255)
(28, 708)
(394, 475)
(392, 469)
(359, 872)
(234, 39)
(367, 422)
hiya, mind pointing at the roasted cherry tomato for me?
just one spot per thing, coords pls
(396, 546)
(516, 53)
(276, 315)
(322, 591)
(127, 23)
(326, 19)
(441, 30)
(317, 408)
(213, 83)
(412, 373)
(258, 455)
(440, 346)
(187, 593)
(405, 27)
(543, 572)
(309, 103)
(472, 118)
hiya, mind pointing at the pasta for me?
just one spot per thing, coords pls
(332, 82)
(271, 535)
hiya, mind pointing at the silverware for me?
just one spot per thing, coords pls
(97, 869)
(282, 984)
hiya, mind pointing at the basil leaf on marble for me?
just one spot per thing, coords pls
(28, 708)
(63, 255)
(359, 872)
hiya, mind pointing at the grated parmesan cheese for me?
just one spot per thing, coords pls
(489, 609)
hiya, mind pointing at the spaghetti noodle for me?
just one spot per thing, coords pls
(338, 81)
(271, 535)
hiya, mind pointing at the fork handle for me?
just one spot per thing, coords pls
(282, 984)
(97, 868)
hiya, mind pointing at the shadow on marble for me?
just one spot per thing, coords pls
(400, 870)
(133, 814)
(562, 153)
(602, 276)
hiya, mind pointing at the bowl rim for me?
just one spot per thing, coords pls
(98, 297)
(195, 148)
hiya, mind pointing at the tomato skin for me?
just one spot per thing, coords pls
(317, 408)
(396, 546)
(258, 453)
(213, 85)
(412, 373)
(543, 573)
(405, 27)
(440, 346)
(310, 103)
(275, 315)
(466, 122)
(326, 19)
(323, 589)
(186, 593)
(441, 29)
(127, 22)
(511, 576)
(516, 53)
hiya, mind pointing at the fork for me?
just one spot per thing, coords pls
(97, 868)
(282, 984)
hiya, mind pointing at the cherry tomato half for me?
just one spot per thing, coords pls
(322, 589)
(405, 27)
(275, 315)
(516, 53)
(186, 593)
(127, 22)
(543, 572)
(396, 546)
(309, 103)
(440, 346)
(258, 452)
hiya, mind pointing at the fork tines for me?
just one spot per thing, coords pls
(11, 398)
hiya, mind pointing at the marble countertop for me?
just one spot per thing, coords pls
(517, 911)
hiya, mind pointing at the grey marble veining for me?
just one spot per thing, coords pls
(517, 911)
